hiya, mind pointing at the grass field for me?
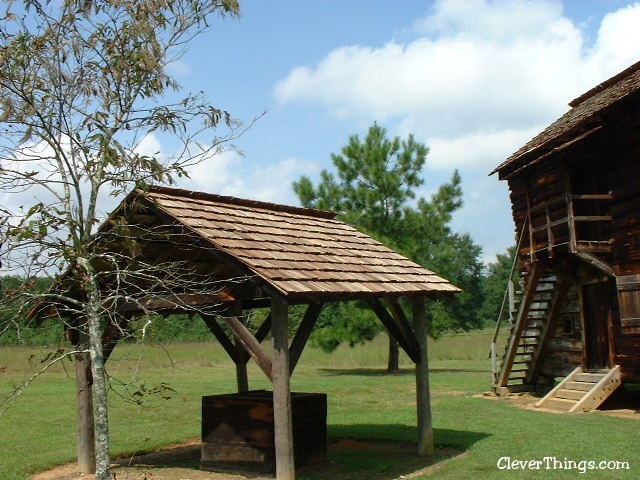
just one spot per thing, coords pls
(38, 430)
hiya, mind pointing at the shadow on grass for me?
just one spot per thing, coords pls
(377, 372)
(459, 439)
(355, 452)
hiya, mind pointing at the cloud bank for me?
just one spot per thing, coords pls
(477, 80)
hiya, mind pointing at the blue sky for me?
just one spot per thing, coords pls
(472, 79)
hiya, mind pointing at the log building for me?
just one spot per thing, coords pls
(574, 308)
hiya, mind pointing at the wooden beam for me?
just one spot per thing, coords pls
(302, 335)
(171, 303)
(242, 376)
(84, 406)
(282, 418)
(220, 335)
(111, 337)
(250, 344)
(423, 395)
(264, 329)
(533, 278)
(407, 342)
(403, 324)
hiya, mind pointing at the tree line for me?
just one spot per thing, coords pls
(373, 187)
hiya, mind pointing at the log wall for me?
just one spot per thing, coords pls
(564, 351)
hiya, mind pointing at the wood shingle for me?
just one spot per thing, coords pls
(296, 251)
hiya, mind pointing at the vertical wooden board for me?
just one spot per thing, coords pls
(423, 395)
(282, 419)
(628, 287)
(238, 431)
(84, 412)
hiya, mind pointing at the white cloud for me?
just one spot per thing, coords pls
(618, 42)
(228, 173)
(219, 173)
(479, 68)
(479, 79)
(149, 146)
(179, 68)
(477, 151)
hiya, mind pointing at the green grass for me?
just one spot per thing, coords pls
(38, 430)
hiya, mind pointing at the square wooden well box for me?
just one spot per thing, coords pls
(238, 433)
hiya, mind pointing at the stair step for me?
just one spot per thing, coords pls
(539, 306)
(547, 287)
(535, 322)
(582, 386)
(570, 394)
(560, 404)
(588, 377)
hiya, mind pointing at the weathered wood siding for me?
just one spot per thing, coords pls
(627, 328)
(542, 184)
(238, 431)
(624, 178)
(625, 185)
(564, 351)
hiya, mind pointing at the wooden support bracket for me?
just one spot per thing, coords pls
(398, 327)
(302, 335)
(221, 336)
(250, 344)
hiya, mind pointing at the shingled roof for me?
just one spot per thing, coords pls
(296, 251)
(584, 118)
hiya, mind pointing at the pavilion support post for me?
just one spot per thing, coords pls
(282, 418)
(242, 377)
(423, 396)
(84, 407)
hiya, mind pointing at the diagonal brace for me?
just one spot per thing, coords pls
(398, 327)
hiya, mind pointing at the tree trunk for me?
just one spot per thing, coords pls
(393, 364)
(100, 416)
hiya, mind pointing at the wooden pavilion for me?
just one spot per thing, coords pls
(575, 196)
(260, 255)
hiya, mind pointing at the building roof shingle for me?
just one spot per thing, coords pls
(578, 122)
(295, 250)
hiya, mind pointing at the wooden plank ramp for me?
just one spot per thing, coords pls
(582, 390)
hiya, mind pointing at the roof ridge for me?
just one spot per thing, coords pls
(605, 84)
(214, 197)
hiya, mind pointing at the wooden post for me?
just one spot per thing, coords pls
(84, 408)
(423, 397)
(242, 377)
(282, 418)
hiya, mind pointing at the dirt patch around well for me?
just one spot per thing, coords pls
(348, 459)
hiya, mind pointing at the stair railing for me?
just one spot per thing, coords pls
(508, 301)
(569, 222)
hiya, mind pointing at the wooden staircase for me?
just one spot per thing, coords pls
(582, 390)
(528, 331)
